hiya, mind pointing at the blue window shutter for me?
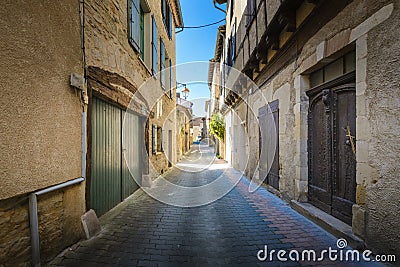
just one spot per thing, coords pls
(162, 63)
(135, 24)
(170, 23)
(154, 47)
(164, 9)
(170, 78)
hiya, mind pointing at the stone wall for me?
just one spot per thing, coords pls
(106, 37)
(370, 27)
(382, 150)
(59, 225)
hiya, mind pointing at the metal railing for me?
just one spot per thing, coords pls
(183, 102)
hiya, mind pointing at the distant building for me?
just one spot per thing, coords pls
(184, 116)
(216, 105)
(197, 126)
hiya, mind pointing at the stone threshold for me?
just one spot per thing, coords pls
(331, 224)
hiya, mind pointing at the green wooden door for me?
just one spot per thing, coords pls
(110, 179)
(131, 153)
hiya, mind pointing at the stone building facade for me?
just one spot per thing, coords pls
(329, 73)
(184, 116)
(72, 110)
(130, 58)
(214, 84)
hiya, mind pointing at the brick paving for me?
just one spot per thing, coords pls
(227, 232)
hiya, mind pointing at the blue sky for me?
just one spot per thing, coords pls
(197, 44)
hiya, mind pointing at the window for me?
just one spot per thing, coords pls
(231, 9)
(228, 56)
(159, 108)
(165, 69)
(160, 139)
(167, 17)
(134, 23)
(169, 23)
(154, 138)
(157, 139)
(233, 44)
(142, 33)
(250, 11)
(170, 79)
(162, 64)
(154, 47)
(138, 28)
(231, 48)
(333, 70)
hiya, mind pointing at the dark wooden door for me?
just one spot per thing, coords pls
(269, 141)
(331, 149)
(343, 154)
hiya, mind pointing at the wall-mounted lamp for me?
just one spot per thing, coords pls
(185, 90)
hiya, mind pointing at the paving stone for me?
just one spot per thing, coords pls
(227, 232)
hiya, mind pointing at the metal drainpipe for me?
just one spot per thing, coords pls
(220, 9)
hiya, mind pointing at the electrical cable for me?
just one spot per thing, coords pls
(202, 26)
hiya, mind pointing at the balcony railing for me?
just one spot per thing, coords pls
(183, 102)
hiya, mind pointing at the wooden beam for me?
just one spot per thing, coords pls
(272, 41)
(288, 20)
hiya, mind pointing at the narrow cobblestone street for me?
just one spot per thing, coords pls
(229, 231)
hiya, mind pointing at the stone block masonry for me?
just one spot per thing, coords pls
(59, 226)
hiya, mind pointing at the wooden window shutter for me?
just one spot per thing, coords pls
(135, 24)
(154, 139)
(154, 47)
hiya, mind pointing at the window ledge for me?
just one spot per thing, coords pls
(144, 64)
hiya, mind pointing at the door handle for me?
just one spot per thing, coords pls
(350, 141)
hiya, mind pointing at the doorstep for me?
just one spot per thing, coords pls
(331, 224)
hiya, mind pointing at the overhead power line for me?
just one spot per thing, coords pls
(202, 26)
